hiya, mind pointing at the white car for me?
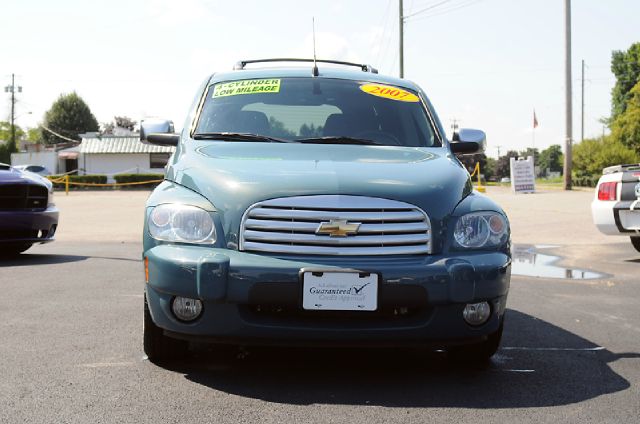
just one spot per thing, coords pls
(36, 169)
(616, 204)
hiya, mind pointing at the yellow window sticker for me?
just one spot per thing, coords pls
(389, 92)
(257, 86)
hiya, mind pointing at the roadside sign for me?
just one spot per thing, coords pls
(523, 178)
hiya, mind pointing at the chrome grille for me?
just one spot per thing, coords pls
(290, 225)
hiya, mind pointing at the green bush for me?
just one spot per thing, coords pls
(591, 156)
(585, 181)
(91, 178)
(136, 178)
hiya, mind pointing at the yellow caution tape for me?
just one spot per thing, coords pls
(113, 184)
(66, 181)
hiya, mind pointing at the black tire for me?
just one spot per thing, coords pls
(11, 250)
(157, 346)
(636, 242)
(478, 353)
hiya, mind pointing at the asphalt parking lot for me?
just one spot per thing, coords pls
(71, 332)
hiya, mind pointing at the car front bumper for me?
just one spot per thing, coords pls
(28, 227)
(256, 299)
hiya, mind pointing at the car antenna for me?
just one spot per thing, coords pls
(314, 71)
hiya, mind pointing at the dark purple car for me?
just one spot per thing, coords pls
(27, 212)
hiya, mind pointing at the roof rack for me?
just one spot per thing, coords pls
(365, 68)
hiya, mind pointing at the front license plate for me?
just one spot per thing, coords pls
(340, 291)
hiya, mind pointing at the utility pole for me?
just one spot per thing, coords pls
(12, 89)
(454, 125)
(582, 107)
(401, 27)
(568, 104)
(13, 114)
(498, 147)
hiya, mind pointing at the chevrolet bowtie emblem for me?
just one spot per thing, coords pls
(338, 228)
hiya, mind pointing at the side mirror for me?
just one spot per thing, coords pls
(468, 142)
(160, 132)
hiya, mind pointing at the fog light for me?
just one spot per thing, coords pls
(476, 313)
(186, 309)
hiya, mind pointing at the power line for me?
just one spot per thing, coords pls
(453, 8)
(426, 9)
(385, 41)
(385, 20)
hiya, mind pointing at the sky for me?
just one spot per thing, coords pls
(486, 64)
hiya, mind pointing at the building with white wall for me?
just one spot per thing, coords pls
(46, 158)
(113, 155)
(108, 155)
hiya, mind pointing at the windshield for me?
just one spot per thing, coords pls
(317, 110)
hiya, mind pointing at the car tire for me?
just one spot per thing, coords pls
(477, 353)
(13, 250)
(157, 346)
(635, 241)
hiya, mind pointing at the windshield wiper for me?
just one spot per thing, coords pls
(232, 136)
(337, 140)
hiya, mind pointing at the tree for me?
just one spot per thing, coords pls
(626, 67)
(470, 161)
(120, 125)
(592, 155)
(125, 122)
(529, 151)
(551, 159)
(311, 130)
(503, 166)
(69, 116)
(6, 146)
(626, 127)
(489, 170)
(278, 129)
(34, 136)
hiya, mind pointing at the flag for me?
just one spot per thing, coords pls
(535, 119)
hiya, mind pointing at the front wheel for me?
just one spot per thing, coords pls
(478, 353)
(636, 243)
(157, 346)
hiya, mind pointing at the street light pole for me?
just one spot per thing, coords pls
(568, 104)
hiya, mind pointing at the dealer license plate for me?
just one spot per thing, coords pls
(340, 291)
(630, 220)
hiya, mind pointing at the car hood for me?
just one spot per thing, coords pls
(15, 176)
(235, 175)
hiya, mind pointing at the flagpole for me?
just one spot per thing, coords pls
(533, 135)
(533, 142)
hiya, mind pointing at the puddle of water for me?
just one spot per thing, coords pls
(529, 262)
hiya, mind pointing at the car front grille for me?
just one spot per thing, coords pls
(23, 197)
(303, 225)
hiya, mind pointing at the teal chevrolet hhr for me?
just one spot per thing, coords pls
(320, 204)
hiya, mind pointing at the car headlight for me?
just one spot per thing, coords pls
(181, 223)
(480, 230)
